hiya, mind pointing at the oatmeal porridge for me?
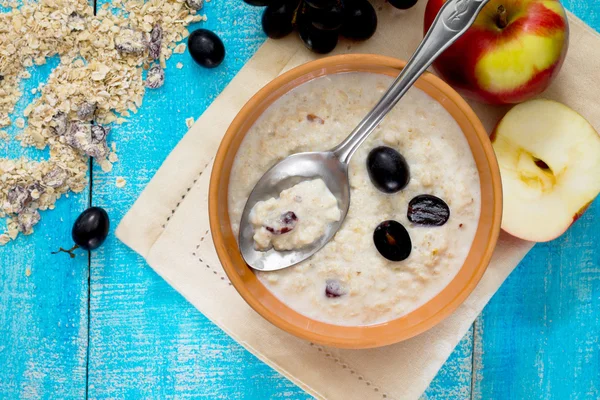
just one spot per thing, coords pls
(296, 219)
(353, 280)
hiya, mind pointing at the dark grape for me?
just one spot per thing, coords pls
(326, 19)
(277, 19)
(360, 20)
(321, 4)
(392, 241)
(388, 170)
(91, 228)
(428, 210)
(318, 40)
(258, 3)
(403, 4)
(206, 48)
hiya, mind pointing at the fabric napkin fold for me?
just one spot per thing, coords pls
(168, 225)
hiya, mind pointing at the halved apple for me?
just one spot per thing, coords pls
(549, 158)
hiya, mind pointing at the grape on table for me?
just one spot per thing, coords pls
(319, 23)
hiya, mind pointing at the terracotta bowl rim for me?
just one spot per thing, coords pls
(368, 336)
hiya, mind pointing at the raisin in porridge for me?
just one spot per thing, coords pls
(426, 226)
(299, 216)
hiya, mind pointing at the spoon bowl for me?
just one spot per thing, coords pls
(283, 175)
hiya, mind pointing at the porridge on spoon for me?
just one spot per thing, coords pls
(296, 219)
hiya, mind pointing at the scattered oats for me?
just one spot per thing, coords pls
(28, 272)
(27, 110)
(121, 182)
(113, 146)
(12, 228)
(189, 122)
(179, 49)
(99, 77)
(179, 65)
(35, 194)
(99, 71)
(113, 158)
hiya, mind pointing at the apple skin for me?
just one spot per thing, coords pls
(509, 65)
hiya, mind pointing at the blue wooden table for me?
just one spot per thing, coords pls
(109, 327)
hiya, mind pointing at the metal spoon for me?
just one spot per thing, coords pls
(454, 18)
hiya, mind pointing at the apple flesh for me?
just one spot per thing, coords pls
(549, 159)
(512, 52)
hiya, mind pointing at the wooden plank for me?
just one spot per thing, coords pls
(43, 297)
(454, 379)
(538, 337)
(539, 334)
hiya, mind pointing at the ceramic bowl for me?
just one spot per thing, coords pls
(419, 320)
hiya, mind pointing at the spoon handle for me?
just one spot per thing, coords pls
(454, 18)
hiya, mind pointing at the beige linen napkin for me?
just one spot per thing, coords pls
(168, 226)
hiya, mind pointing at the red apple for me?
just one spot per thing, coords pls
(512, 52)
